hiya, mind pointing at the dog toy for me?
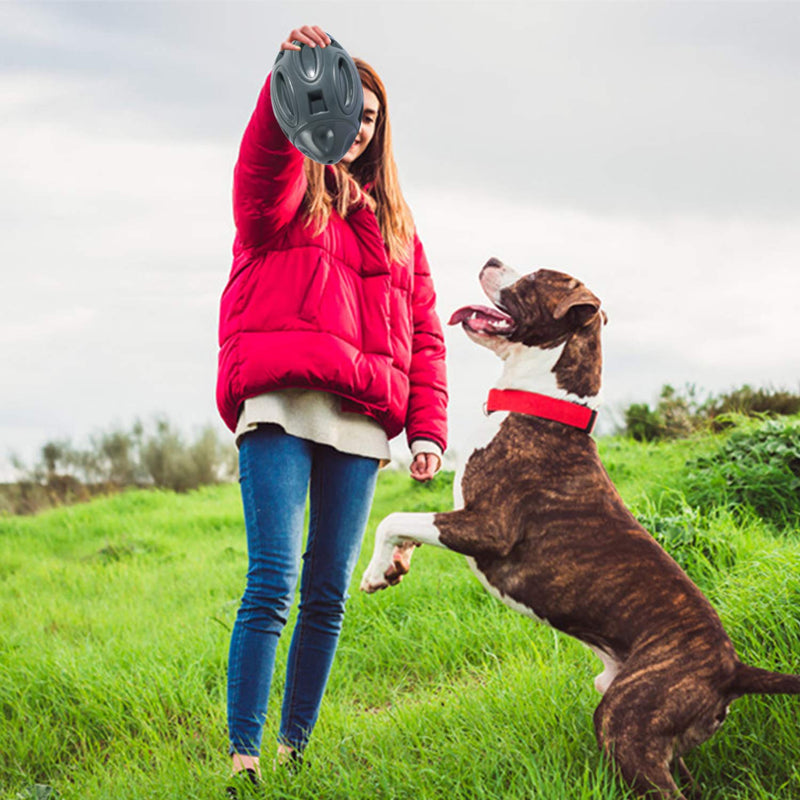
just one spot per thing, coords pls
(318, 100)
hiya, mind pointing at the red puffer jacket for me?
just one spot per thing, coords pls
(327, 312)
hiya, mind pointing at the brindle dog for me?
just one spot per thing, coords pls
(547, 533)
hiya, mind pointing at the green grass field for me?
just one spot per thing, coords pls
(115, 618)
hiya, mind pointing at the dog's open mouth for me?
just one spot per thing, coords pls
(484, 320)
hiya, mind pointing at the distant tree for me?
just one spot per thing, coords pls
(642, 423)
(159, 456)
(116, 458)
(52, 453)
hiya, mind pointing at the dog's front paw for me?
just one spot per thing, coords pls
(373, 580)
(377, 577)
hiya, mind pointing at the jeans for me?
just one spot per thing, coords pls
(277, 470)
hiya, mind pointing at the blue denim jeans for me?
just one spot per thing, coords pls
(277, 471)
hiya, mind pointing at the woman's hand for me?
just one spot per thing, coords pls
(424, 466)
(312, 35)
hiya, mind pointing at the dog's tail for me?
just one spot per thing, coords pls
(752, 680)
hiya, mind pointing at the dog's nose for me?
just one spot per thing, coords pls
(492, 263)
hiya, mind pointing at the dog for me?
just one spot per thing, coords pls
(546, 532)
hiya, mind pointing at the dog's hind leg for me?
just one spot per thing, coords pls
(627, 737)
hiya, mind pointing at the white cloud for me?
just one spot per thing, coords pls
(115, 243)
(29, 24)
(45, 327)
(618, 144)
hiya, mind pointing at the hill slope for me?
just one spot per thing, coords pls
(115, 619)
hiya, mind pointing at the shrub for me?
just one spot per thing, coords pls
(677, 415)
(752, 402)
(642, 423)
(680, 413)
(758, 468)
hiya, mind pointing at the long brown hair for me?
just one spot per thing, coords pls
(375, 166)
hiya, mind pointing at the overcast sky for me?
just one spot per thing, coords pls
(650, 149)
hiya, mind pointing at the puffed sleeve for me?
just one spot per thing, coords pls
(268, 181)
(427, 405)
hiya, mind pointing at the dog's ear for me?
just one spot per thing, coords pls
(583, 305)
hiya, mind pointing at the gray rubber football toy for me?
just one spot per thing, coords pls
(318, 100)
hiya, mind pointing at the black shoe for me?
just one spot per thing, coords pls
(246, 782)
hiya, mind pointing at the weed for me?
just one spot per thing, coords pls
(757, 468)
(699, 545)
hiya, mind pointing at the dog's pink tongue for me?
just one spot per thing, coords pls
(469, 312)
(481, 319)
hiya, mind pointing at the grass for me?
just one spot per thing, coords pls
(115, 618)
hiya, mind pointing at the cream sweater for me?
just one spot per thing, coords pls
(318, 416)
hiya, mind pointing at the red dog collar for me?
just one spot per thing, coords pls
(540, 405)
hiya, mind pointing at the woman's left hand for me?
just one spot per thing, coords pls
(312, 35)
(424, 466)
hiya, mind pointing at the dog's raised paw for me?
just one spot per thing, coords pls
(371, 584)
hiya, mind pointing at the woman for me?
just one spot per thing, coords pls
(330, 346)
